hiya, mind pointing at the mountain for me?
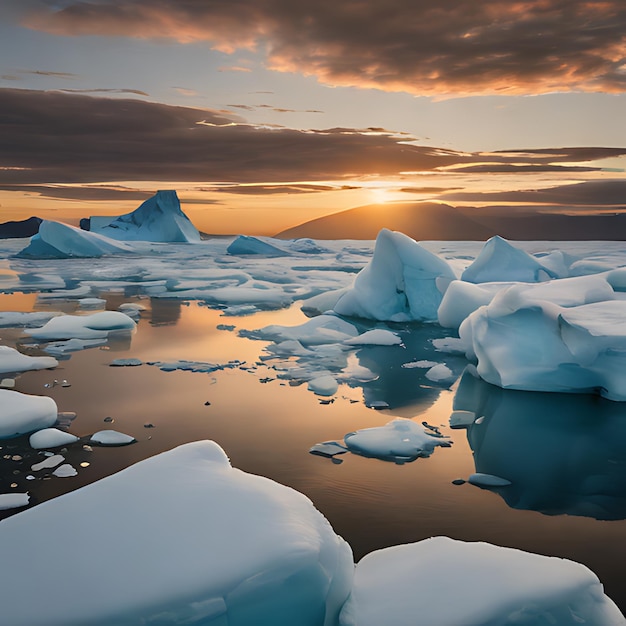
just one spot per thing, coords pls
(159, 218)
(23, 228)
(423, 220)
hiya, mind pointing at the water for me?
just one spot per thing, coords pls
(564, 454)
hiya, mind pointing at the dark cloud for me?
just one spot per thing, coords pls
(591, 194)
(255, 190)
(65, 75)
(57, 137)
(429, 190)
(253, 107)
(80, 193)
(498, 168)
(419, 46)
(136, 92)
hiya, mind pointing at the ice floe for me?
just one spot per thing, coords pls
(375, 337)
(13, 500)
(197, 542)
(441, 582)
(111, 438)
(50, 438)
(13, 361)
(244, 245)
(93, 326)
(21, 413)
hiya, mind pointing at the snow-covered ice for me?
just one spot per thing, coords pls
(56, 240)
(400, 440)
(159, 218)
(244, 245)
(21, 413)
(50, 438)
(402, 282)
(13, 361)
(444, 582)
(13, 500)
(375, 337)
(188, 539)
(111, 438)
(93, 326)
(48, 463)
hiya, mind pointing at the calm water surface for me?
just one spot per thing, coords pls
(566, 455)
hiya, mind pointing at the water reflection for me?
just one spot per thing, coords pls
(563, 453)
(164, 312)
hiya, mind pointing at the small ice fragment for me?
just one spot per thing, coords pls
(65, 471)
(459, 481)
(108, 420)
(13, 500)
(30, 477)
(480, 420)
(87, 448)
(16, 457)
(375, 337)
(328, 449)
(7, 383)
(325, 385)
(148, 425)
(377, 404)
(461, 419)
(111, 438)
(422, 364)
(85, 464)
(64, 383)
(51, 461)
(439, 373)
(488, 480)
(125, 363)
(50, 438)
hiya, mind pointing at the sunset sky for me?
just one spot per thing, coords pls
(266, 113)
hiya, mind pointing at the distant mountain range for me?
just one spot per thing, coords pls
(432, 221)
(21, 228)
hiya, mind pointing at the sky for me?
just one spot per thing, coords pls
(263, 114)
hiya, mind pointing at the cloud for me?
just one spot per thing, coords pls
(81, 193)
(498, 168)
(590, 193)
(185, 91)
(55, 137)
(419, 46)
(233, 68)
(136, 92)
(277, 189)
(65, 75)
(270, 107)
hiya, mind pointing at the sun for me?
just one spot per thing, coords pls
(381, 195)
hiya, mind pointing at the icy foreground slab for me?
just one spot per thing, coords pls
(188, 539)
(159, 218)
(21, 413)
(94, 326)
(443, 582)
(56, 240)
(402, 282)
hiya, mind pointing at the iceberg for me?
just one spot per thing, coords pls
(158, 219)
(375, 337)
(13, 361)
(51, 438)
(444, 582)
(56, 240)
(21, 413)
(94, 326)
(500, 261)
(189, 539)
(245, 245)
(403, 282)
(525, 343)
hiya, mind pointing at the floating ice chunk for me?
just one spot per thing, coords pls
(400, 440)
(7, 383)
(325, 385)
(328, 449)
(377, 404)
(93, 326)
(202, 543)
(441, 581)
(131, 362)
(13, 361)
(322, 302)
(13, 500)
(62, 348)
(194, 366)
(19, 319)
(50, 438)
(487, 480)
(584, 267)
(323, 329)
(127, 307)
(461, 418)
(424, 364)
(307, 246)
(500, 261)
(48, 463)
(111, 438)
(158, 219)
(375, 337)
(92, 303)
(355, 372)
(65, 471)
(451, 345)
(62, 241)
(244, 245)
(402, 282)
(21, 413)
(440, 373)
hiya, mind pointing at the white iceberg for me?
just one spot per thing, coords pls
(500, 261)
(188, 539)
(245, 245)
(535, 345)
(158, 219)
(443, 582)
(13, 361)
(402, 282)
(94, 326)
(400, 440)
(56, 240)
(21, 413)
(50, 438)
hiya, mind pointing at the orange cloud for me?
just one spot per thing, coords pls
(429, 48)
